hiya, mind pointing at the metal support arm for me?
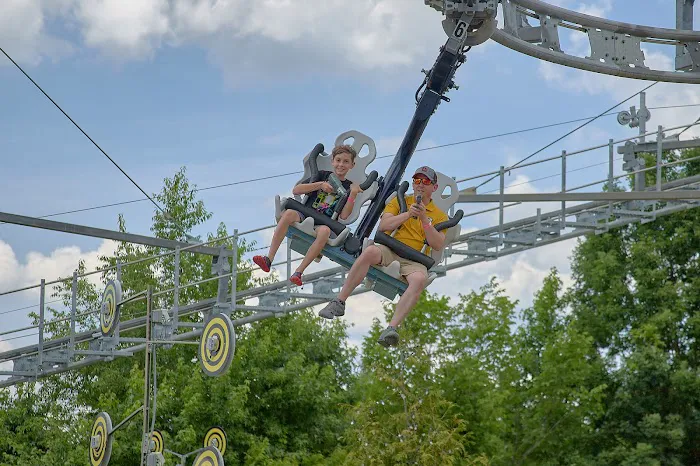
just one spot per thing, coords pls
(437, 83)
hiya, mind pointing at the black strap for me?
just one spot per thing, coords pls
(403, 251)
(319, 218)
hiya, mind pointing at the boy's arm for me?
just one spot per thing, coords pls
(305, 188)
(350, 204)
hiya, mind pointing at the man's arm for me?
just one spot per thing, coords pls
(435, 239)
(390, 222)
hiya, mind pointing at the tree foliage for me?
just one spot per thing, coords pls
(602, 373)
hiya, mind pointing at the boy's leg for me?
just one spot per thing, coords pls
(416, 284)
(288, 217)
(322, 235)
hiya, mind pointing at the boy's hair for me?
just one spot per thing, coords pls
(344, 148)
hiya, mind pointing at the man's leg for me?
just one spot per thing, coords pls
(369, 257)
(416, 285)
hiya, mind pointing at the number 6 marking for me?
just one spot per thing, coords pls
(460, 29)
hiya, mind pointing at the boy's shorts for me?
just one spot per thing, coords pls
(406, 267)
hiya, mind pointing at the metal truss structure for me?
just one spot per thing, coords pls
(605, 211)
(615, 49)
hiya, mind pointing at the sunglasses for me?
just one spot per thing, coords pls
(425, 181)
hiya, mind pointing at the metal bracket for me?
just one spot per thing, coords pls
(550, 33)
(615, 49)
(692, 62)
(684, 21)
(520, 238)
(162, 326)
(514, 20)
(103, 343)
(26, 364)
(61, 356)
(273, 299)
(327, 285)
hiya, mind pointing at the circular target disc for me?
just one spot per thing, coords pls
(216, 437)
(101, 440)
(210, 456)
(157, 439)
(109, 310)
(217, 345)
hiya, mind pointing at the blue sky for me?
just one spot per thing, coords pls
(246, 89)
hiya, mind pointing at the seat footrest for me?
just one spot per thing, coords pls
(385, 285)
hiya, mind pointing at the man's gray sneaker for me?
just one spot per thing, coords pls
(389, 337)
(335, 308)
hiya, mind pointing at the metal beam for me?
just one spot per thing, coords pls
(175, 338)
(101, 233)
(666, 145)
(573, 197)
(525, 222)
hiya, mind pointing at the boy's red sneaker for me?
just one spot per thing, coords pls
(263, 262)
(296, 279)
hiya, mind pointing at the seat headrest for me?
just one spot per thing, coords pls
(358, 174)
(446, 195)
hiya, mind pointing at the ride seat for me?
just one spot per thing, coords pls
(444, 198)
(316, 161)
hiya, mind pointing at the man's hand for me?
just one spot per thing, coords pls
(355, 189)
(418, 210)
(326, 187)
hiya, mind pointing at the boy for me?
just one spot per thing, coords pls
(414, 227)
(321, 197)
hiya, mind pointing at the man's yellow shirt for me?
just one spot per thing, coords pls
(411, 233)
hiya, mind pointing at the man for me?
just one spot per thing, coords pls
(414, 228)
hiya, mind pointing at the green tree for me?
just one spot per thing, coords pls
(637, 294)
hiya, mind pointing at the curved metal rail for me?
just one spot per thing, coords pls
(615, 47)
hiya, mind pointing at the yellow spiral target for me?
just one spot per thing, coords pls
(217, 345)
(157, 439)
(216, 437)
(210, 456)
(101, 440)
(109, 309)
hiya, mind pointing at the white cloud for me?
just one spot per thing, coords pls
(599, 9)
(23, 34)
(618, 89)
(264, 39)
(520, 274)
(126, 28)
(59, 264)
